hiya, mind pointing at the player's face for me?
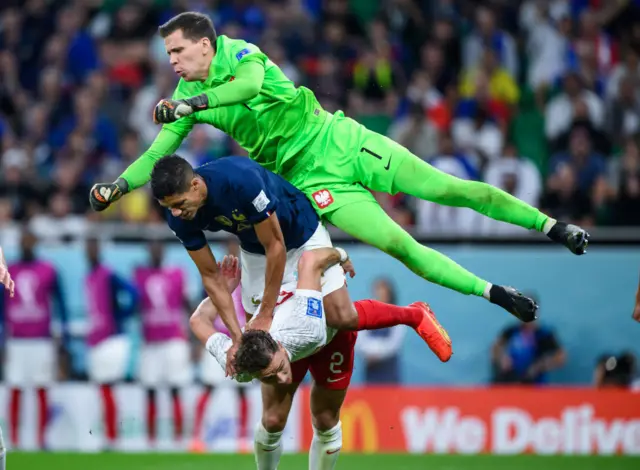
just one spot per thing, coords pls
(279, 371)
(185, 205)
(189, 59)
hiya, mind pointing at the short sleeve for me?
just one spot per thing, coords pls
(255, 198)
(241, 51)
(191, 237)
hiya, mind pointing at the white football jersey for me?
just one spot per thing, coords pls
(299, 325)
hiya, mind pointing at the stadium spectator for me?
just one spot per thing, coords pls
(624, 179)
(615, 371)
(547, 27)
(525, 354)
(478, 136)
(165, 356)
(437, 67)
(110, 302)
(623, 117)
(416, 133)
(577, 185)
(381, 348)
(630, 68)
(561, 110)
(487, 33)
(502, 86)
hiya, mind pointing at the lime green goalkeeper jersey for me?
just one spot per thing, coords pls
(274, 126)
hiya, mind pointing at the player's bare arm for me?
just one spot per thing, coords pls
(270, 236)
(216, 288)
(5, 276)
(202, 319)
(314, 262)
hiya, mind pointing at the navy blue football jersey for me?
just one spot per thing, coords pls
(240, 194)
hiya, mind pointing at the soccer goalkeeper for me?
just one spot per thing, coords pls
(232, 85)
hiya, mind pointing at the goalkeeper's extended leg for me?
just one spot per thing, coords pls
(368, 222)
(419, 179)
(384, 165)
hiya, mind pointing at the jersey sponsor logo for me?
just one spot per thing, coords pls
(261, 201)
(323, 198)
(314, 308)
(242, 53)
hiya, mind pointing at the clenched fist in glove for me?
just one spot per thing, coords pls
(172, 110)
(103, 194)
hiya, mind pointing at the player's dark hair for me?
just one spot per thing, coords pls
(255, 352)
(170, 175)
(194, 26)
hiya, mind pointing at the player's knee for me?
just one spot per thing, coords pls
(326, 419)
(274, 421)
(340, 311)
(308, 262)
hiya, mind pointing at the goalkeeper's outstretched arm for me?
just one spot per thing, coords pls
(139, 172)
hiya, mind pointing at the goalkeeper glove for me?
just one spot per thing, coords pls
(172, 110)
(103, 194)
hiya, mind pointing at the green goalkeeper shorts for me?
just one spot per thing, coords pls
(344, 161)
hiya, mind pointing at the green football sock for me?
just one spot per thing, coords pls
(419, 179)
(368, 222)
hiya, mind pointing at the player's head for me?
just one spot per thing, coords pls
(27, 245)
(177, 187)
(156, 253)
(93, 251)
(261, 356)
(190, 41)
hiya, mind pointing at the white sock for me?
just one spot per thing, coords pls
(548, 225)
(487, 291)
(267, 447)
(3, 452)
(325, 448)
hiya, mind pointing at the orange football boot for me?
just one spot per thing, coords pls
(433, 333)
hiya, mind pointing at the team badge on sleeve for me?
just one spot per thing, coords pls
(242, 53)
(314, 308)
(261, 201)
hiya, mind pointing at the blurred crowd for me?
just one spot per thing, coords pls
(538, 97)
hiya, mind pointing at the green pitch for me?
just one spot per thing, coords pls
(110, 461)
